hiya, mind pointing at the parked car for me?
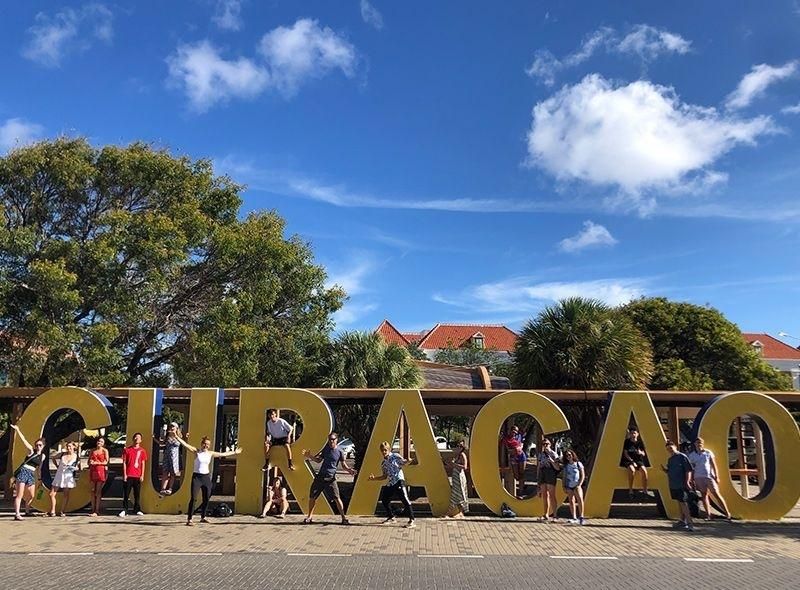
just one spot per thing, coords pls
(348, 448)
(116, 446)
(441, 444)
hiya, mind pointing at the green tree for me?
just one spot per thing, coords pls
(697, 347)
(365, 360)
(582, 344)
(117, 263)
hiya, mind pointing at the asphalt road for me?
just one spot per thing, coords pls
(241, 571)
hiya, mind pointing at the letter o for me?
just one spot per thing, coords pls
(483, 453)
(781, 490)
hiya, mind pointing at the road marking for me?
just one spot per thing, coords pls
(605, 557)
(717, 560)
(319, 554)
(184, 554)
(64, 553)
(466, 556)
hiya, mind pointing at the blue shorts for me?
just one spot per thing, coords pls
(26, 476)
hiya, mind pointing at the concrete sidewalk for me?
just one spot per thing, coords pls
(367, 536)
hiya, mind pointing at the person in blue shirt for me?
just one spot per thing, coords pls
(325, 481)
(392, 468)
(573, 478)
(679, 474)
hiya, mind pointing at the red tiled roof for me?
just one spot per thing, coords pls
(413, 336)
(457, 335)
(772, 347)
(391, 334)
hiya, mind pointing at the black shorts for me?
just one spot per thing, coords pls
(679, 495)
(547, 475)
(636, 464)
(279, 442)
(324, 484)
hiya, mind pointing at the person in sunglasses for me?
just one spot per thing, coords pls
(325, 481)
(26, 474)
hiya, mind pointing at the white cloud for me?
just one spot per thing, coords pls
(371, 15)
(791, 110)
(208, 78)
(353, 276)
(635, 137)
(756, 82)
(591, 235)
(70, 30)
(18, 132)
(228, 15)
(525, 295)
(649, 42)
(304, 51)
(291, 56)
(642, 40)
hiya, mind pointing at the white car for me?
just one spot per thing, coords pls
(441, 444)
(348, 448)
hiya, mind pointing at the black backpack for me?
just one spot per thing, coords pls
(222, 510)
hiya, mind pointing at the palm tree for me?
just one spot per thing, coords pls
(365, 360)
(582, 344)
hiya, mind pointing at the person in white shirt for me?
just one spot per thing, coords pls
(279, 434)
(201, 475)
(706, 477)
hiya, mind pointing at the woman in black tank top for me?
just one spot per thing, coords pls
(26, 475)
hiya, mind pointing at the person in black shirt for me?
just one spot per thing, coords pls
(27, 474)
(634, 457)
(325, 481)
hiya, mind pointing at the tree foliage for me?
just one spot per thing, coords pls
(118, 262)
(696, 347)
(365, 360)
(582, 344)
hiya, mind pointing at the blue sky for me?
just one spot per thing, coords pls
(460, 162)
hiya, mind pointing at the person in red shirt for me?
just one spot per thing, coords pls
(134, 461)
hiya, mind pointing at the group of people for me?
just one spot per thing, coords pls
(687, 475)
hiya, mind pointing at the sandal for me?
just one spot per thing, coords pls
(17, 517)
(345, 522)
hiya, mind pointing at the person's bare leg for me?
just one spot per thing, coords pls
(631, 475)
(707, 503)
(31, 492)
(66, 501)
(289, 456)
(311, 503)
(572, 505)
(52, 502)
(643, 469)
(284, 507)
(723, 503)
(340, 506)
(18, 498)
(268, 505)
(553, 504)
(579, 494)
(543, 493)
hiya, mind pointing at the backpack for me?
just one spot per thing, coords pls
(222, 510)
(506, 512)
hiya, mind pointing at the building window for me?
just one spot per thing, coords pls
(477, 341)
(759, 348)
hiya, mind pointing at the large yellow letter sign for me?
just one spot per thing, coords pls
(607, 475)
(429, 472)
(484, 455)
(781, 490)
(317, 424)
(144, 407)
(95, 411)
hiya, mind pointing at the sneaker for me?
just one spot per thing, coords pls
(189, 523)
(121, 514)
(689, 528)
(139, 513)
(411, 525)
(581, 521)
(390, 520)
(17, 517)
(345, 522)
(630, 494)
(572, 521)
(279, 516)
(678, 524)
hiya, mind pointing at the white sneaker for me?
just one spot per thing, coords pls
(572, 521)
(411, 525)
(121, 514)
(140, 513)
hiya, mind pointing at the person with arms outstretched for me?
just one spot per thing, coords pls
(392, 468)
(26, 474)
(325, 481)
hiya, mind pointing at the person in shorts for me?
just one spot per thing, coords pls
(325, 481)
(277, 499)
(634, 457)
(573, 478)
(279, 434)
(679, 474)
(706, 477)
(547, 468)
